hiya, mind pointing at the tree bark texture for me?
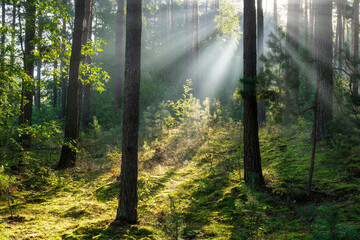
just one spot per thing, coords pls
(119, 68)
(260, 47)
(38, 69)
(55, 87)
(252, 159)
(324, 55)
(128, 198)
(68, 153)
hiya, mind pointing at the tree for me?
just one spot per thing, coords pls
(252, 159)
(68, 151)
(323, 55)
(39, 65)
(195, 47)
(260, 20)
(292, 45)
(128, 198)
(119, 53)
(63, 73)
(27, 83)
(355, 48)
(87, 86)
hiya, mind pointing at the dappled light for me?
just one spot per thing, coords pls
(179, 119)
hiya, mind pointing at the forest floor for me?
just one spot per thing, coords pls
(191, 187)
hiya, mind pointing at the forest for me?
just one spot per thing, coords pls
(179, 119)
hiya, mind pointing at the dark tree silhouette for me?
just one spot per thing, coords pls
(68, 153)
(252, 159)
(128, 198)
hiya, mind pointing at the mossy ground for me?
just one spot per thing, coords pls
(192, 188)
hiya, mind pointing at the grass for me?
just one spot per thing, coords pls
(192, 188)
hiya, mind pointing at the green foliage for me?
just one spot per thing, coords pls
(228, 21)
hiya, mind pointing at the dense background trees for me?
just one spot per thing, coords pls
(179, 132)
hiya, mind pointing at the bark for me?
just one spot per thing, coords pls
(63, 74)
(12, 54)
(292, 34)
(260, 46)
(38, 70)
(324, 56)
(3, 20)
(87, 35)
(252, 159)
(68, 153)
(27, 86)
(275, 16)
(119, 53)
(128, 198)
(306, 22)
(196, 48)
(355, 48)
(55, 87)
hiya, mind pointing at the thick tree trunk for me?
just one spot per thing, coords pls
(63, 74)
(324, 56)
(128, 198)
(119, 53)
(355, 48)
(68, 153)
(87, 35)
(252, 159)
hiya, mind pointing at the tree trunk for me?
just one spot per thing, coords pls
(252, 159)
(63, 64)
(260, 47)
(306, 25)
(87, 35)
(324, 56)
(196, 48)
(68, 153)
(355, 48)
(119, 53)
(27, 84)
(55, 87)
(38, 69)
(13, 34)
(128, 198)
(275, 16)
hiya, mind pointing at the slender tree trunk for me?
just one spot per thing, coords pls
(252, 159)
(63, 64)
(55, 87)
(3, 20)
(355, 48)
(119, 53)
(324, 56)
(128, 198)
(275, 16)
(196, 48)
(27, 85)
(260, 47)
(38, 69)
(312, 19)
(87, 35)
(68, 153)
(314, 142)
(292, 35)
(306, 22)
(13, 34)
